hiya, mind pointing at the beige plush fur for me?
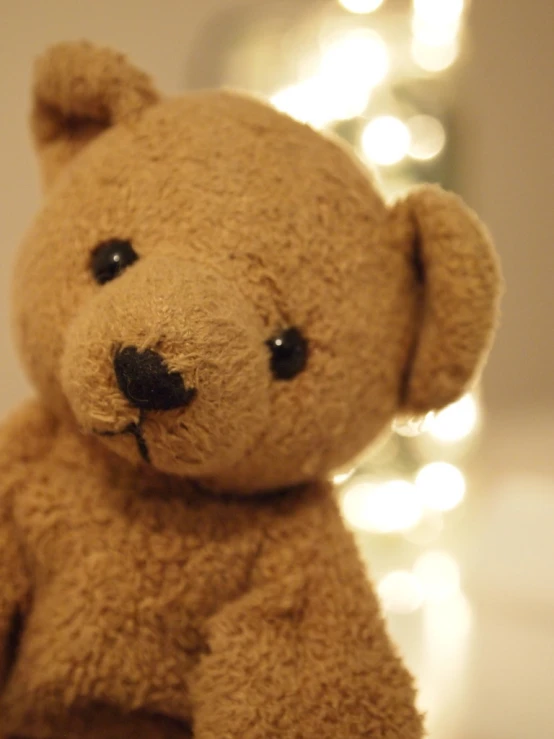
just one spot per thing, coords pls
(214, 591)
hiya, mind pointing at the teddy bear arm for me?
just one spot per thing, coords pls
(13, 592)
(305, 655)
(22, 437)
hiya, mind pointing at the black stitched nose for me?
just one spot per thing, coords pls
(147, 383)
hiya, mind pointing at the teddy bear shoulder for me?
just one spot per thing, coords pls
(26, 435)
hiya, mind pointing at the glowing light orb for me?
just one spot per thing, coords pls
(442, 486)
(433, 58)
(360, 7)
(439, 11)
(384, 508)
(456, 421)
(341, 477)
(400, 592)
(386, 140)
(428, 137)
(356, 58)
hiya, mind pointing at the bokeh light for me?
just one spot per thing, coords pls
(433, 58)
(361, 7)
(307, 102)
(427, 531)
(357, 57)
(400, 591)
(434, 34)
(341, 477)
(428, 137)
(385, 508)
(385, 140)
(456, 421)
(442, 486)
(352, 63)
(411, 427)
(439, 11)
(438, 574)
(436, 22)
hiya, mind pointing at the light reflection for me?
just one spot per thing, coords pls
(441, 485)
(400, 592)
(385, 140)
(361, 7)
(433, 58)
(313, 102)
(455, 422)
(357, 58)
(436, 23)
(306, 102)
(433, 582)
(433, 33)
(439, 11)
(351, 65)
(341, 477)
(385, 508)
(428, 137)
(410, 427)
(446, 634)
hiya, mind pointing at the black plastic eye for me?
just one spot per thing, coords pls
(289, 354)
(111, 258)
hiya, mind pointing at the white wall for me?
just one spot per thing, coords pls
(508, 167)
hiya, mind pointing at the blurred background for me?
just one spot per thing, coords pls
(455, 514)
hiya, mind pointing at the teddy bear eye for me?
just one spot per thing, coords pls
(289, 354)
(111, 258)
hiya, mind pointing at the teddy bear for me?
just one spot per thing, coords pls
(216, 309)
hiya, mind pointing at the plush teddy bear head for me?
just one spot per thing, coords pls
(219, 291)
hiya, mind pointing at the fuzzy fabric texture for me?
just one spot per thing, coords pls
(185, 572)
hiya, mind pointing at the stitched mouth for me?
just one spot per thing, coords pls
(135, 430)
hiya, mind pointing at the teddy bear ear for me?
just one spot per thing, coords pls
(460, 284)
(79, 90)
